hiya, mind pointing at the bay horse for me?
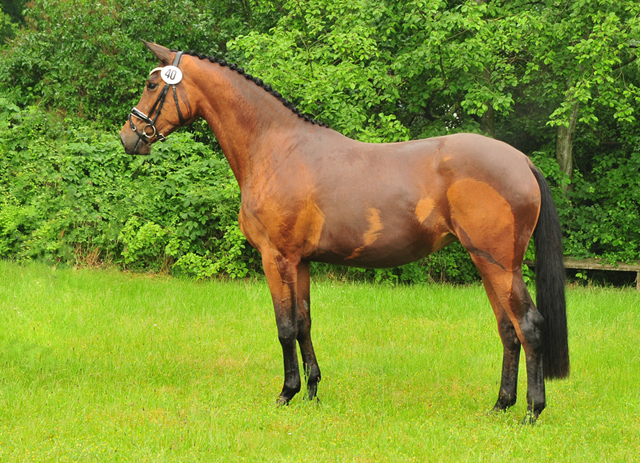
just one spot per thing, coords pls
(311, 194)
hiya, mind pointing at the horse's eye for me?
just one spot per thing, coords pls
(152, 86)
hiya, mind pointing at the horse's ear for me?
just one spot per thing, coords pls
(164, 54)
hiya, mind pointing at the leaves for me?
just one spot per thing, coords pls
(85, 58)
(67, 194)
(375, 70)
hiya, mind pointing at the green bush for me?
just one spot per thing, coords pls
(600, 212)
(72, 69)
(85, 58)
(71, 194)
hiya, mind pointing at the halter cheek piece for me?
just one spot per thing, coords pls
(144, 134)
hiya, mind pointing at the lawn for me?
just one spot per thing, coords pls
(97, 365)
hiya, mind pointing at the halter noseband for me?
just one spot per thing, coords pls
(151, 123)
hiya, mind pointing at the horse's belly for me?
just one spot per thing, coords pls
(390, 248)
(367, 261)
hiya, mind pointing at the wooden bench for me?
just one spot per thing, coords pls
(598, 264)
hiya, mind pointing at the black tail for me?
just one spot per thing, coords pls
(550, 279)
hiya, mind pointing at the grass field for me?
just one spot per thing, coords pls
(105, 366)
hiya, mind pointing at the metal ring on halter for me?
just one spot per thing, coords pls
(149, 123)
(153, 134)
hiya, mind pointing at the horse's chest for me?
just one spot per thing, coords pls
(292, 229)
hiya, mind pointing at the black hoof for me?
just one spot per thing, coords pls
(312, 392)
(503, 403)
(287, 394)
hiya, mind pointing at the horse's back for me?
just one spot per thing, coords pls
(432, 164)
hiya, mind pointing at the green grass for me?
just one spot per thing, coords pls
(105, 366)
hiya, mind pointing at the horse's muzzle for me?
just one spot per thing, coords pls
(133, 144)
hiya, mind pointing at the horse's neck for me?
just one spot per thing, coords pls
(251, 125)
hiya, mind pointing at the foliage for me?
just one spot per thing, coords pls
(78, 198)
(93, 65)
(325, 56)
(508, 69)
(7, 28)
(13, 9)
(71, 194)
(376, 70)
(436, 66)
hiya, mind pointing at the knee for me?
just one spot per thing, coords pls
(287, 332)
(509, 335)
(532, 329)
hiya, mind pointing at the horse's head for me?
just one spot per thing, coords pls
(163, 107)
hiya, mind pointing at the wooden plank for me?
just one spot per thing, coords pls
(594, 264)
(597, 264)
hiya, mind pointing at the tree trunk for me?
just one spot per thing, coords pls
(488, 122)
(488, 119)
(564, 145)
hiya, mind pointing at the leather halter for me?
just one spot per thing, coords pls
(157, 108)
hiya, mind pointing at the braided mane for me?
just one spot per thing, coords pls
(259, 83)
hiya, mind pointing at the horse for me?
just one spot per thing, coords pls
(310, 193)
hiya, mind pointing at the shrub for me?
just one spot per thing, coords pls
(69, 196)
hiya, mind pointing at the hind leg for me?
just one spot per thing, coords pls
(511, 292)
(533, 325)
(494, 221)
(310, 364)
(507, 394)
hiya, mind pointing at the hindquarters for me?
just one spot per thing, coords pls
(494, 217)
(495, 209)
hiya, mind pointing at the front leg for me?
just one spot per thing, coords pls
(282, 278)
(311, 369)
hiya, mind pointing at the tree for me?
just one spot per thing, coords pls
(580, 50)
(557, 79)
(85, 57)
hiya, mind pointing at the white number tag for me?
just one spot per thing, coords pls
(171, 74)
